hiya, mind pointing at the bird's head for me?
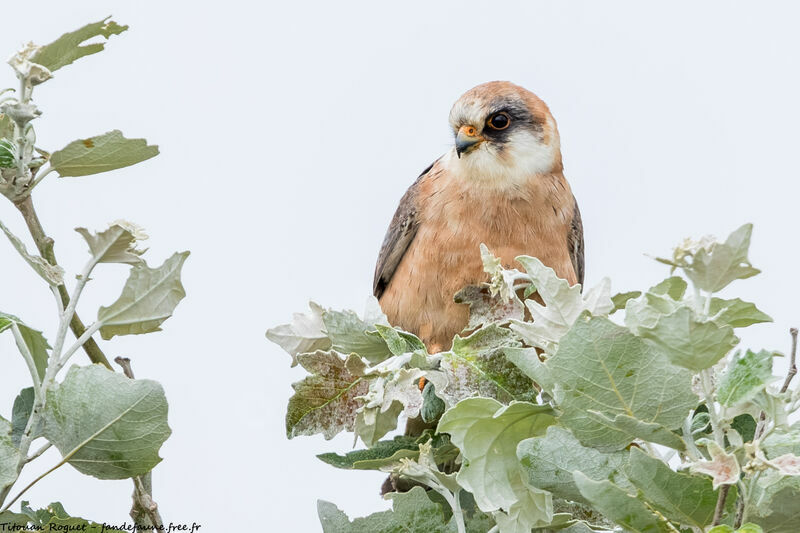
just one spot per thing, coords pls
(504, 134)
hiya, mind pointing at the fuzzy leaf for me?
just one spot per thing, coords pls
(303, 335)
(326, 401)
(149, 297)
(351, 334)
(9, 455)
(102, 153)
(485, 308)
(21, 412)
(412, 512)
(34, 340)
(70, 47)
(725, 262)
(488, 433)
(114, 245)
(689, 500)
(646, 431)
(723, 466)
(106, 425)
(619, 506)
(550, 460)
(603, 367)
(476, 365)
(563, 305)
(52, 274)
(689, 342)
(773, 504)
(746, 376)
(736, 313)
(398, 341)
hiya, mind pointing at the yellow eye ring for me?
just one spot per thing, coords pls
(499, 121)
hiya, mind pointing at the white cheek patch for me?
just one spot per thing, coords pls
(524, 154)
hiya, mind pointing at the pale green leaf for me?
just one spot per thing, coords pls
(725, 262)
(351, 334)
(327, 401)
(106, 425)
(412, 512)
(736, 313)
(550, 460)
(398, 341)
(619, 506)
(70, 46)
(686, 499)
(773, 503)
(477, 366)
(689, 342)
(485, 308)
(621, 298)
(603, 367)
(9, 455)
(647, 431)
(562, 305)
(385, 450)
(52, 274)
(102, 153)
(527, 360)
(34, 340)
(20, 413)
(114, 245)
(487, 433)
(303, 335)
(373, 423)
(149, 297)
(746, 376)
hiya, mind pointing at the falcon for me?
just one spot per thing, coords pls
(502, 184)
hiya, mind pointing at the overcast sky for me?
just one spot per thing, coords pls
(290, 130)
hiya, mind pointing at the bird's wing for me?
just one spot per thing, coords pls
(399, 236)
(575, 243)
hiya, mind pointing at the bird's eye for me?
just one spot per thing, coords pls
(499, 121)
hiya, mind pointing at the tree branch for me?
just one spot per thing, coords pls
(720, 508)
(45, 247)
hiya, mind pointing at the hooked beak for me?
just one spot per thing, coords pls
(466, 138)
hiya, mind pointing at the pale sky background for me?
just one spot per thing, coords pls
(289, 131)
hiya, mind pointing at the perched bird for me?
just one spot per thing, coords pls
(501, 184)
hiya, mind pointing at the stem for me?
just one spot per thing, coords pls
(720, 508)
(688, 438)
(39, 452)
(32, 483)
(45, 246)
(792, 361)
(705, 380)
(78, 343)
(41, 176)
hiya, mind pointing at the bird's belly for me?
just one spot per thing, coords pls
(445, 257)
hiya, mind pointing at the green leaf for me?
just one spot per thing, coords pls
(736, 313)
(603, 368)
(149, 297)
(21, 412)
(550, 460)
(106, 425)
(412, 512)
(674, 287)
(52, 274)
(102, 153)
(117, 244)
(488, 433)
(619, 506)
(9, 455)
(34, 340)
(383, 450)
(687, 499)
(563, 305)
(350, 334)
(398, 341)
(326, 401)
(713, 270)
(647, 431)
(621, 298)
(746, 376)
(745, 425)
(55, 518)
(476, 365)
(773, 503)
(373, 423)
(485, 308)
(70, 47)
(303, 335)
(527, 360)
(433, 407)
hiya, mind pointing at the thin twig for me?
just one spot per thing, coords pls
(792, 361)
(720, 508)
(45, 247)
